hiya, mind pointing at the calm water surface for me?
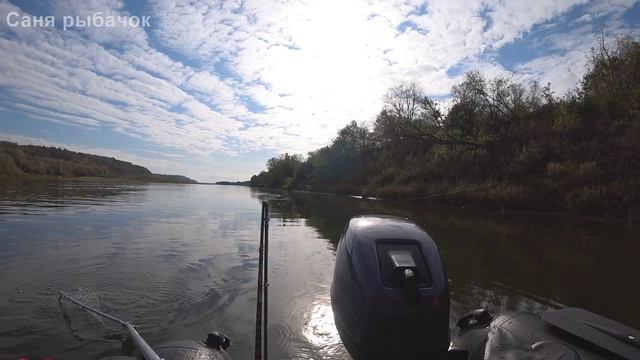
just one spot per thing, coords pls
(181, 260)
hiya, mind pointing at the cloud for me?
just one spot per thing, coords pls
(333, 60)
(216, 78)
(611, 7)
(66, 77)
(510, 19)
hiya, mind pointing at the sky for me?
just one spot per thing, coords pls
(213, 89)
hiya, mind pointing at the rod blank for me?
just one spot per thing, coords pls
(261, 348)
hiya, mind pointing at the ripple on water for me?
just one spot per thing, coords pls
(320, 330)
(85, 325)
(307, 331)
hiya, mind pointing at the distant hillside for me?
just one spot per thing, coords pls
(16, 160)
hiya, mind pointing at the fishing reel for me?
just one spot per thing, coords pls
(218, 341)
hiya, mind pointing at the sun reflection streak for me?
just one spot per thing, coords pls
(320, 330)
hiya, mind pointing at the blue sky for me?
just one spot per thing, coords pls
(213, 89)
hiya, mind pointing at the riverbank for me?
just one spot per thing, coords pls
(56, 163)
(156, 178)
(501, 144)
(504, 197)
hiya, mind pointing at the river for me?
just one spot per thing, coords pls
(181, 260)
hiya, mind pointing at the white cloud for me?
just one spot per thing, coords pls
(510, 19)
(240, 76)
(333, 60)
(66, 77)
(611, 7)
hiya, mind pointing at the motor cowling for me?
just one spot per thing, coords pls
(389, 292)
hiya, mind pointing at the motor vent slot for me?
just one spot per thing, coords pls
(395, 259)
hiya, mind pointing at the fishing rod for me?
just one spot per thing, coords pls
(262, 314)
(266, 278)
(142, 346)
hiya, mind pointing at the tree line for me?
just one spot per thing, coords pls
(502, 144)
(33, 160)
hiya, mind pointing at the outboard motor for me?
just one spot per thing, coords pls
(389, 293)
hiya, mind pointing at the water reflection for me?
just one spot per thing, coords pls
(320, 330)
(181, 260)
(172, 258)
(26, 197)
(509, 261)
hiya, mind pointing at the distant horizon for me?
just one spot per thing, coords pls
(212, 91)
